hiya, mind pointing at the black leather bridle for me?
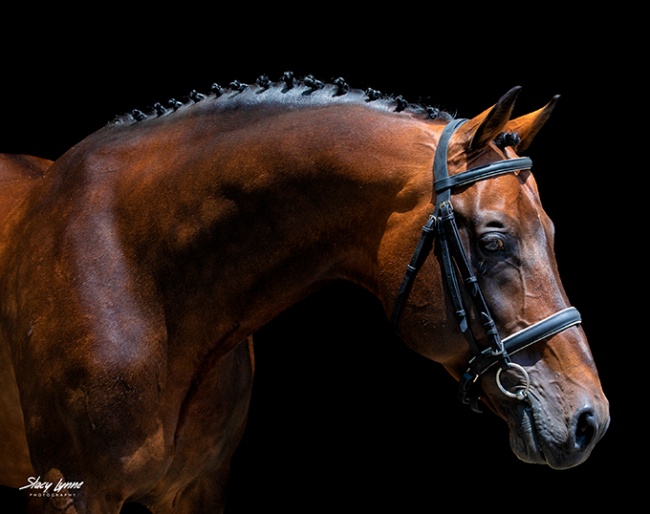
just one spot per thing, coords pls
(457, 271)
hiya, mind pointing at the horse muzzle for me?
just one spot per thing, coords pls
(542, 435)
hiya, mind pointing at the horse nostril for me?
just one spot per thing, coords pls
(585, 429)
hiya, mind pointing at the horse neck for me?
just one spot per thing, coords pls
(253, 218)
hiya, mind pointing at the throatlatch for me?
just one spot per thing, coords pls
(457, 271)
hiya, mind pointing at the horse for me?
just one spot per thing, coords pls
(137, 268)
(18, 174)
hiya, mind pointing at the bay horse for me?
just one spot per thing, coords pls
(18, 174)
(139, 265)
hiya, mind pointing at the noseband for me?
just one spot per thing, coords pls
(457, 271)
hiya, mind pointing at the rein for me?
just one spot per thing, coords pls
(457, 271)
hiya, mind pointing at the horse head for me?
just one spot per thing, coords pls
(515, 340)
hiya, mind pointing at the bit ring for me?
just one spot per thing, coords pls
(520, 391)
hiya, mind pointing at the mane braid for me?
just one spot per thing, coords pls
(305, 90)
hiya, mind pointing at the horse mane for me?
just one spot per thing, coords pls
(306, 91)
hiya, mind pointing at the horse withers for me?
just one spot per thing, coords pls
(145, 256)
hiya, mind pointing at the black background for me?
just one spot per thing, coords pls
(344, 418)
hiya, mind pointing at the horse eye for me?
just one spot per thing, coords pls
(493, 243)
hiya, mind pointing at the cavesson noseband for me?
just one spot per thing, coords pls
(456, 270)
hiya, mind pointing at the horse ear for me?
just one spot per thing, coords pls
(482, 129)
(528, 126)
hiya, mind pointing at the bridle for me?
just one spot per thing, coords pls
(456, 270)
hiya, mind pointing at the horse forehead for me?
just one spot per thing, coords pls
(508, 199)
(508, 191)
(514, 193)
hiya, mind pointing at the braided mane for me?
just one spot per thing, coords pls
(299, 91)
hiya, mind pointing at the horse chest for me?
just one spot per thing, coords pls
(211, 419)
